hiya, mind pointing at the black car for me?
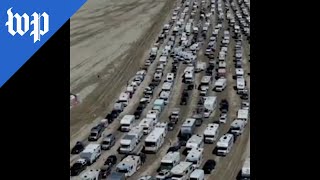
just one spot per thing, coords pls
(111, 160)
(79, 147)
(175, 147)
(209, 166)
(224, 102)
(137, 114)
(183, 101)
(78, 167)
(114, 114)
(185, 94)
(190, 86)
(110, 118)
(105, 171)
(244, 96)
(224, 105)
(171, 126)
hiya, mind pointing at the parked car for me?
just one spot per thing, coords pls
(183, 101)
(78, 147)
(171, 126)
(137, 114)
(111, 160)
(79, 166)
(209, 166)
(108, 141)
(147, 178)
(163, 174)
(175, 147)
(223, 118)
(110, 118)
(105, 171)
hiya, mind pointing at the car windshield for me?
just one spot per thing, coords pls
(110, 159)
(209, 136)
(122, 170)
(166, 165)
(76, 166)
(222, 148)
(150, 144)
(177, 175)
(125, 146)
(106, 142)
(93, 134)
(235, 128)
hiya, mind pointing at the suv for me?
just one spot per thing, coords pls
(96, 132)
(111, 160)
(79, 147)
(223, 118)
(209, 166)
(108, 141)
(105, 171)
(79, 166)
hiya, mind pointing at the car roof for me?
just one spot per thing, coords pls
(210, 161)
(112, 156)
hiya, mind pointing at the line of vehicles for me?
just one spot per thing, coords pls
(150, 126)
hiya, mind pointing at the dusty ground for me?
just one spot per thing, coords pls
(109, 38)
(227, 167)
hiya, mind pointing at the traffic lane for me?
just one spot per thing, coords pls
(172, 136)
(230, 166)
(153, 160)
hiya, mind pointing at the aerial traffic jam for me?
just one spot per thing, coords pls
(186, 114)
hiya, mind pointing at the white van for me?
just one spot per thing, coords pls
(124, 98)
(220, 84)
(239, 72)
(126, 123)
(225, 144)
(245, 170)
(91, 153)
(170, 77)
(197, 174)
(182, 171)
(240, 83)
(237, 127)
(90, 174)
(195, 156)
(243, 114)
(163, 60)
(129, 165)
(147, 124)
(195, 141)
(154, 115)
(211, 133)
(170, 160)
(155, 139)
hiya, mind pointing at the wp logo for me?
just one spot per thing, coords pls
(22, 24)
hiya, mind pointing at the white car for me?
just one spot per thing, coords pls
(145, 178)
(245, 105)
(164, 174)
(223, 118)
